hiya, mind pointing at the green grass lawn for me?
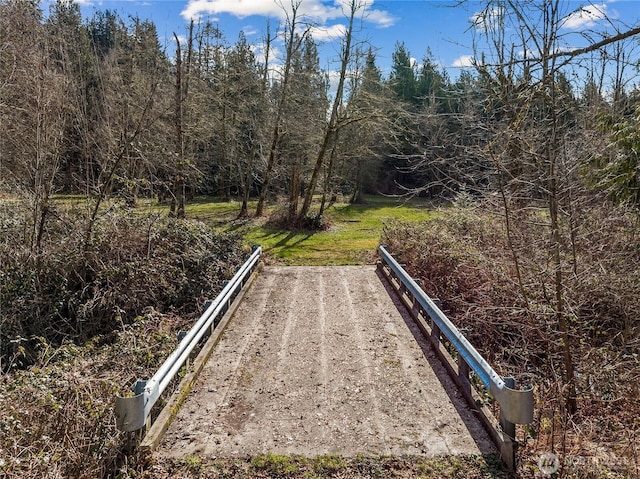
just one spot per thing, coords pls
(352, 238)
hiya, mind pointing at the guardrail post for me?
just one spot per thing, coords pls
(208, 303)
(508, 448)
(226, 303)
(463, 374)
(435, 330)
(435, 333)
(416, 307)
(139, 386)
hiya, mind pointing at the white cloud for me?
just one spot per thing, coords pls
(330, 33)
(464, 61)
(259, 52)
(181, 38)
(249, 30)
(380, 17)
(241, 8)
(275, 71)
(334, 79)
(585, 17)
(318, 11)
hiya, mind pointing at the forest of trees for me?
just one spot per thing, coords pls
(97, 107)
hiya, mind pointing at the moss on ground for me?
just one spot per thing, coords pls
(272, 465)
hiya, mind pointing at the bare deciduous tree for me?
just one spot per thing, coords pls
(293, 42)
(530, 140)
(353, 7)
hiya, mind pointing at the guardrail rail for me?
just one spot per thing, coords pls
(133, 413)
(516, 405)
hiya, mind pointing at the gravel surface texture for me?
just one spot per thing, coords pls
(321, 360)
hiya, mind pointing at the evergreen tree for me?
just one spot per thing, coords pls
(430, 85)
(403, 76)
(73, 55)
(365, 126)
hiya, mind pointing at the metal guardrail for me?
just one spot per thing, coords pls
(132, 413)
(516, 405)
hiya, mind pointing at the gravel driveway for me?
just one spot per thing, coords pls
(322, 360)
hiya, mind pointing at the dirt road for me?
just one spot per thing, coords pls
(321, 360)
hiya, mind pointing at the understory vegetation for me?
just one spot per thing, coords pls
(500, 294)
(80, 323)
(79, 326)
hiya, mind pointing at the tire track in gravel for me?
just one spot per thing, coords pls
(450, 419)
(408, 361)
(368, 383)
(324, 359)
(294, 368)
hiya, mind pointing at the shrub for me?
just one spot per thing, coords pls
(466, 260)
(65, 293)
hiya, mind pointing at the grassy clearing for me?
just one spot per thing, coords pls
(352, 237)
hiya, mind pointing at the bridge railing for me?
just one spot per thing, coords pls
(516, 405)
(133, 413)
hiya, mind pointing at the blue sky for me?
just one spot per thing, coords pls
(435, 25)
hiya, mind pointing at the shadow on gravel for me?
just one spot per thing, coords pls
(458, 401)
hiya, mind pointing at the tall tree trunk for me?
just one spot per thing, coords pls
(327, 180)
(294, 192)
(356, 197)
(552, 153)
(246, 183)
(264, 188)
(332, 126)
(510, 239)
(292, 47)
(177, 200)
